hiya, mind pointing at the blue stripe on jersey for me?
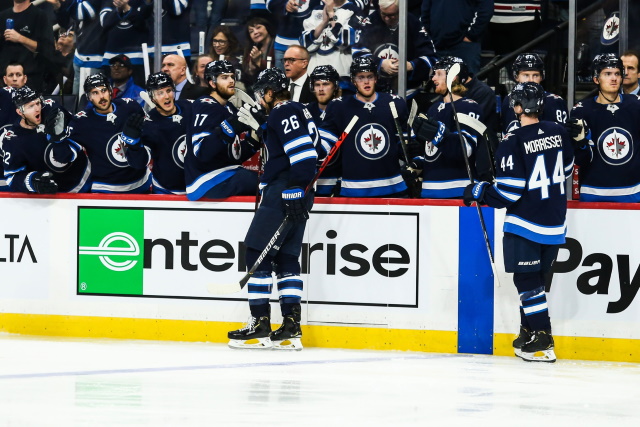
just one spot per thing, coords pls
(535, 232)
(205, 182)
(475, 283)
(305, 155)
(196, 140)
(443, 189)
(299, 142)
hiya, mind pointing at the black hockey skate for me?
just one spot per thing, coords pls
(256, 329)
(523, 337)
(539, 349)
(287, 336)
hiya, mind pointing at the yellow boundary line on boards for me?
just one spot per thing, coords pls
(348, 337)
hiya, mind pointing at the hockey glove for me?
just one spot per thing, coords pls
(231, 128)
(294, 204)
(429, 130)
(55, 125)
(579, 131)
(253, 117)
(133, 129)
(414, 149)
(474, 193)
(42, 183)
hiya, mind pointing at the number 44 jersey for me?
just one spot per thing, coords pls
(532, 165)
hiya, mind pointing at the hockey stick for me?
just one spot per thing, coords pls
(232, 288)
(412, 112)
(396, 120)
(451, 75)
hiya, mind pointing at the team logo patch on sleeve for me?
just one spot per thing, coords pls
(52, 163)
(372, 141)
(615, 146)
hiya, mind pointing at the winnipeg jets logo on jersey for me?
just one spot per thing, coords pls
(236, 148)
(613, 108)
(111, 117)
(615, 146)
(127, 100)
(81, 114)
(52, 163)
(40, 129)
(441, 107)
(303, 6)
(8, 134)
(208, 100)
(179, 151)
(513, 125)
(369, 106)
(115, 151)
(48, 102)
(387, 51)
(372, 141)
(177, 118)
(431, 152)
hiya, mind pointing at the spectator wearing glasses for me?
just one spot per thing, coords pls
(296, 61)
(121, 73)
(329, 33)
(259, 53)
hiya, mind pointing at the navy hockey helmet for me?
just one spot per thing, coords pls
(606, 60)
(324, 73)
(271, 78)
(362, 64)
(96, 80)
(527, 62)
(158, 81)
(214, 68)
(528, 95)
(23, 95)
(447, 62)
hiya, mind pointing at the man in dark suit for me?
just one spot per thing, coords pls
(176, 67)
(296, 61)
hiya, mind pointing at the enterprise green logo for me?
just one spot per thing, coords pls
(109, 257)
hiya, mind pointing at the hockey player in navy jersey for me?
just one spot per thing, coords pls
(528, 67)
(606, 128)
(164, 133)
(324, 82)
(371, 153)
(442, 164)
(29, 162)
(532, 164)
(109, 131)
(217, 143)
(289, 135)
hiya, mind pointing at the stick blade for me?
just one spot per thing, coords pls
(224, 288)
(451, 75)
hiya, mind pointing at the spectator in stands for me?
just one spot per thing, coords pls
(122, 80)
(380, 39)
(176, 67)
(83, 16)
(456, 27)
(14, 75)
(225, 43)
(259, 52)
(198, 70)
(31, 33)
(329, 33)
(207, 22)
(289, 16)
(630, 62)
(296, 61)
(513, 24)
(176, 32)
(63, 62)
(124, 24)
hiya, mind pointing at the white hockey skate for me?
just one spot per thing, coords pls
(255, 335)
(539, 349)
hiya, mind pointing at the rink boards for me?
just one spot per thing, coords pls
(378, 274)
